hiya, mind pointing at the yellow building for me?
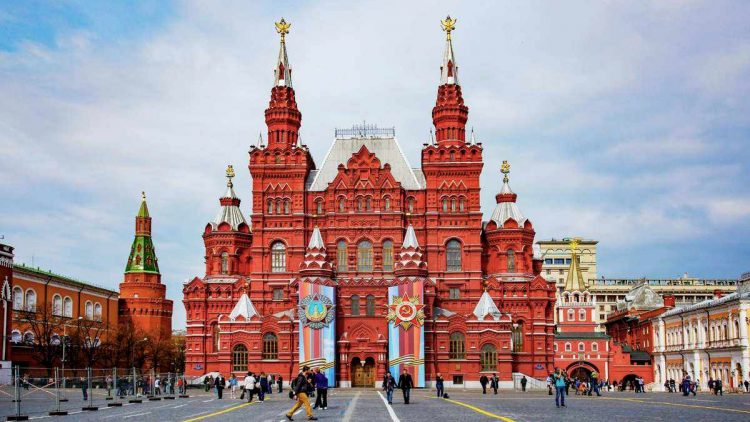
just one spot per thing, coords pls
(557, 257)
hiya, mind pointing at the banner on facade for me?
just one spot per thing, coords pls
(406, 330)
(317, 328)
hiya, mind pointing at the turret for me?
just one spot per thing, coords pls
(282, 116)
(449, 114)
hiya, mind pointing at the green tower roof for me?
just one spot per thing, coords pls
(142, 257)
(143, 211)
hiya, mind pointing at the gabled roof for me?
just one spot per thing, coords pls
(386, 149)
(244, 308)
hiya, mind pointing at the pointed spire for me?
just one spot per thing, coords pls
(244, 308)
(486, 306)
(299, 141)
(143, 211)
(506, 207)
(229, 212)
(410, 239)
(316, 240)
(505, 170)
(283, 72)
(574, 281)
(142, 257)
(473, 139)
(449, 69)
(432, 137)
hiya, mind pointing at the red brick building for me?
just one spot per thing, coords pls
(361, 225)
(6, 295)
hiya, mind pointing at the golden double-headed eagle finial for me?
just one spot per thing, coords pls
(448, 25)
(505, 169)
(574, 243)
(230, 171)
(282, 27)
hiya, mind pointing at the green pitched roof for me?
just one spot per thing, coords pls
(143, 211)
(142, 257)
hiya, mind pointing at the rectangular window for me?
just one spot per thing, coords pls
(567, 262)
(458, 380)
(548, 261)
(549, 271)
(455, 293)
(278, 294)
(559, 261)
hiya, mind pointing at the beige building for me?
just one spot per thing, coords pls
(557, 256)
(704, 340)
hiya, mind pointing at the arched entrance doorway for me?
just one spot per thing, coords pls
(628, 382)
(363, 373)
(581, 370)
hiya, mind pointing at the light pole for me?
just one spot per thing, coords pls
(132, 350)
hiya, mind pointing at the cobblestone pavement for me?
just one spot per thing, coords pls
(369, 405)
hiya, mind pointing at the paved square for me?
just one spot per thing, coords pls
(370, 405)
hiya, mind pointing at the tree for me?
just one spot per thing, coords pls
(88, 339)
(46, 325)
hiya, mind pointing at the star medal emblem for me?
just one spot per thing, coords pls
(406, 311)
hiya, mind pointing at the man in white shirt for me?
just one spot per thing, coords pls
(249, 386)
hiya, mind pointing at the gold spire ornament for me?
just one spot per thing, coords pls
(230, 175)
(574, 244)
(282, 27)
(143, 195)
(448, 25)
(505, 169)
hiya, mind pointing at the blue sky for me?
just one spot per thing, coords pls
(626, 122)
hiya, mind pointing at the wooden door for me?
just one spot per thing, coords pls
(363, 376)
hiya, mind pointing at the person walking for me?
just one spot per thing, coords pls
(280, 383)
(321, 384)
(206, 382)
(685, 385)
(439, 385)
(523, 383)
(747, 386)
(263, 386)
(559, 380)
(494, 382)
(232, 387)
(389, 384)
(249, 386)
(405, 383)
(719, 385)
(550, 384)
(483, 381)
(85, 388)
(300, 391)
(108, 382)
(594, 383)
(219, 383)
(157, 387)
(271, 382)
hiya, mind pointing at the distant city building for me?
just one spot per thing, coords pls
(556, 255)
(705, 340)
(6, 282)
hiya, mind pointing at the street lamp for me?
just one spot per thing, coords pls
(132, 350)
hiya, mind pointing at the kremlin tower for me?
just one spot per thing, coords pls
(143, 300)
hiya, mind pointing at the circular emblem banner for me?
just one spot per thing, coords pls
(315, 311)
(406, 311)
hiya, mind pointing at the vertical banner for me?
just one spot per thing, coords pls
(406, 330)
(317, 328)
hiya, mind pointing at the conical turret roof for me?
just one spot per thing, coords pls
(574, 281)
(244, 308)
(486, 306)
(229, 212)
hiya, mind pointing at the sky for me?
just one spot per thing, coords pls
(624, 122)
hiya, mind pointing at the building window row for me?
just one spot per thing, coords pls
(278, 206)
(369, 305)
(453, 204)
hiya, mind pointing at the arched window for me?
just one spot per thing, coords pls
(461, 204)
(453, 255)
(319, 206)
(342, 257)
(517, 337)
(278, 257)
(17, 299)
(594, 347)
(582, 315)
(736, 329)
(511, 261)
(89, 310)
(488, 358)
(239, 358)
(98, 311)
(368, 203)
(28, 337)
(453, 204)
(410, 205)
(278, 206)
(457, 348)
(581, 347)
(57, 305)
(567, 347)
(30, 300)
(360, 204)
(270, 347)
(571, 315)
(445, 204)
(370, 305)
(224, 263)
(68, 307)
(287, 206)
(270, 206)
(364, 256)
(342, 205)
(16, 337)
(387, 203)
(215, 336)
(355, 305)
(387, 255)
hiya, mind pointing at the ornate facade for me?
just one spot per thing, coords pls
(363, 264)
